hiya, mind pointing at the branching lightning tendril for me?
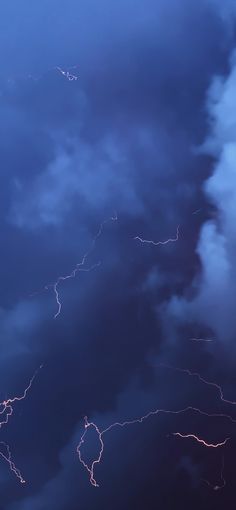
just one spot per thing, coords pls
(157, 243)
(7, 457)
(100, 433)
(80, 267)
(6, 410)
(90, 468)
(204, 381)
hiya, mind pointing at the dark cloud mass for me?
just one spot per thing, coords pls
(147, 132)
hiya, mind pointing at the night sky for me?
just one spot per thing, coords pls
(118, 121)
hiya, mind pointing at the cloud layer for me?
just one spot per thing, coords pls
(131, 135)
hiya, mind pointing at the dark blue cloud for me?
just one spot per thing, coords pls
(124, 137)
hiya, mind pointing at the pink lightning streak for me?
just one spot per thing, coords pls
(79, 266)
(204, 381)
(7, 457)
(6, 406)
(6, 410)
(199, 440)
(100, 433)
(156, 243)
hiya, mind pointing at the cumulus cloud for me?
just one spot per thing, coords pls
(93, 177)
(215, 288)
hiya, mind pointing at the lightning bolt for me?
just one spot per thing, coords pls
(78, 268)
(68, 75)
(199, 440)
(156, 243)
(6, 410)
(90, 469)
(6, 406)
(100, 433)
(7, 457)
(203, 380)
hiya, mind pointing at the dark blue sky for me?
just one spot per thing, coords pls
(146, 132)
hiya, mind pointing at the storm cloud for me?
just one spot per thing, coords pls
(145, 132)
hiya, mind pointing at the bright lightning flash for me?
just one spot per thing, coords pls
(199, 440)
